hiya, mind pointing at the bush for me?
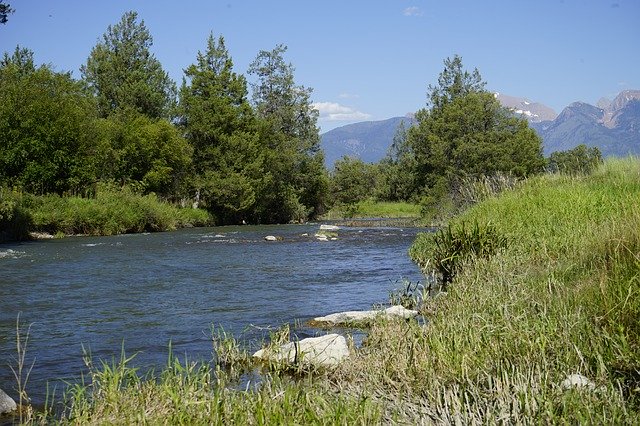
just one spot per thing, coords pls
(15, 221)
(113, 211)
(447, 249)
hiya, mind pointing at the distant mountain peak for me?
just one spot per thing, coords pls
(534, 112)
(612, 126)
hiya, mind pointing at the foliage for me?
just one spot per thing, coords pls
(447, 250)
(468, 133)
(47, 125)
(397, 179)
(296, 180)
(454, 82)
(122, 72)
(352, 181)
(5, 11)
(147, 153)
(113, 211)
(15, 221)
(221, 127)
(580, 160)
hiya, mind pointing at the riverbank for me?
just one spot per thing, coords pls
(110, 212)
(559, 302)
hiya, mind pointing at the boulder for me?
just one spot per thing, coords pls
(270, 238)
(355, 317)
(324, 351)
(329, 228)
(577, 381)
(7, 404)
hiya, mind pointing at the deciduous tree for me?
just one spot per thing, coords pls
(47, 123)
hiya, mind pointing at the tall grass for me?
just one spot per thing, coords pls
(563, 299)
(112, 211)
(374, 209)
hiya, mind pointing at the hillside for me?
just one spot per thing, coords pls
(612, 126)
(368, 140)
(614, 129)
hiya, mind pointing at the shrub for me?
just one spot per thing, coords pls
(15, 220)
(447, 249)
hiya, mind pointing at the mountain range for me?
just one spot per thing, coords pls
(612, 126)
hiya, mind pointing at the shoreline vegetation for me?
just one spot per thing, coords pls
(112, 211)
(542, 329)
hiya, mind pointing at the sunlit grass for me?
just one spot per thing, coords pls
(111, 212)
(375, 209)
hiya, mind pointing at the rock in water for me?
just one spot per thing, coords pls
(270, 238)
(325, 351)
(7, 404)
(355, 317)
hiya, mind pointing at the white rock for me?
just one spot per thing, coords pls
(577, 381)
(400, 311)
(361, 316)
(322, 237)
(270, 238)
(329, 228)
(326, 350)
(7, 404)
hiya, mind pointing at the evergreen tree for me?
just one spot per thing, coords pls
(297, 180)
(220, 125)
(466, 132)
(5, 11)
(124, 74)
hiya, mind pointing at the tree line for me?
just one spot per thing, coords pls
(464, 135)
(126, 122)
(245, 155)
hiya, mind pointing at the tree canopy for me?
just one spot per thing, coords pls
(47, 125)
(5, 11)
(122, 72)
(221, 127)
(296, 178)
(466, 132)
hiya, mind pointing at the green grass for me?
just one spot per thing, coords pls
(375, 209)
(110, 212)
(564, 298)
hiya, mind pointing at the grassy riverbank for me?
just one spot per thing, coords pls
(562, 298)
(374, 209)
(110, 212)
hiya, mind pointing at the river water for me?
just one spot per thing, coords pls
(143, 291)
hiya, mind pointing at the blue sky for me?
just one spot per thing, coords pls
(368, 60)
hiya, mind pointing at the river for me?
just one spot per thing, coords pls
(143, 291)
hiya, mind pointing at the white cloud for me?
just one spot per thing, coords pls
(348, 96)
(332, 111)
(412, 11)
